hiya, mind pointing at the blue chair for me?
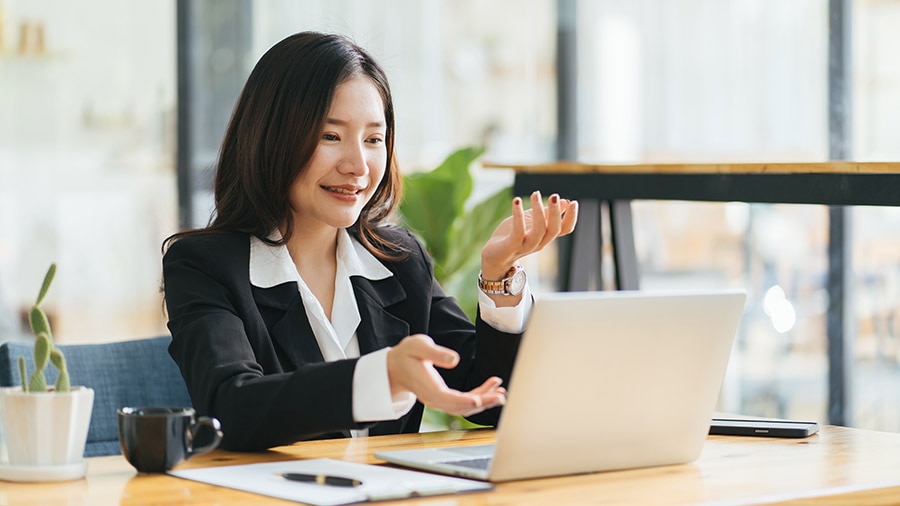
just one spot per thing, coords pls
(124, 373)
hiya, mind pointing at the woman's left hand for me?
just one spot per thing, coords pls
(527, 232)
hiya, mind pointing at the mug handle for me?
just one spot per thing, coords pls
(216, 427)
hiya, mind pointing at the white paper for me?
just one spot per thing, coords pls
(378, 482)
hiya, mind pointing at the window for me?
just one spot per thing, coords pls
(87, 175)
(747, 80)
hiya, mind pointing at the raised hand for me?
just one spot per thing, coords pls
(411, 368)
(527, 232)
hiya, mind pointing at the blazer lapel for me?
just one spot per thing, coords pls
(378, 328)
(285, 317)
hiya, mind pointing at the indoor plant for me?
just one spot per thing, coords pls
(45, 427)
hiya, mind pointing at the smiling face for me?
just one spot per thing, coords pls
(349, 161)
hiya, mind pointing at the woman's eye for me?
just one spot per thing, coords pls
(329, 137)
(376, 140)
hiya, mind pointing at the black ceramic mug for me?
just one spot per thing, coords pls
(156, 439)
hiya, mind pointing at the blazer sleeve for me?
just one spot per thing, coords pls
(229, 362)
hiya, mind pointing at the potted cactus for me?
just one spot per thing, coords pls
(45, 426)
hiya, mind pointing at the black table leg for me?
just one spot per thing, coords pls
(585, 250)
(622, 234)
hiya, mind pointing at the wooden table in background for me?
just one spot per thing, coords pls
(835, 184)
(838, 466)
(825, 183)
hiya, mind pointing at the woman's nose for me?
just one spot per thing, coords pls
(354, 160)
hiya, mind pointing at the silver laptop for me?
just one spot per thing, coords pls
(604, 381)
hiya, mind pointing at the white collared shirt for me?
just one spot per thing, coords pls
(336, 336)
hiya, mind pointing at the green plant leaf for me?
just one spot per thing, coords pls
(45, 286)
(436, 419)
(63, 384)
(39, 322)
(42, 347)
(462, 285)
(427, 210)
(59, 361)
(23, 376)
(473, 229)
(456, 167)
(434, 200)
(38, 382)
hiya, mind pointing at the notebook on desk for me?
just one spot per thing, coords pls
(603, 381)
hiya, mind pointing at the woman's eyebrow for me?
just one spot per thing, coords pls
(342, 122)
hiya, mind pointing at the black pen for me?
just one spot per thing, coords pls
(322, 479)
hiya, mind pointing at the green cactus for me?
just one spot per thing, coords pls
(59, 361)
(45, 286)
(22, 374)
(39, 322)
(44, 349)
(38, 382)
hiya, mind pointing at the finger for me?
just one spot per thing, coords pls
(479, 410)
(423, 347)
(554, 221)
(490, 385)
(490, 394)
(487, 395)
(454, 402)
(518, 222)
(465, 403)
(488, 402)
(534, 236)
(570, 217)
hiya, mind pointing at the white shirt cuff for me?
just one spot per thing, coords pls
(372, 401)
(506, 319)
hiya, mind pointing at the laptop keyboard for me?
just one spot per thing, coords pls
(480, 463)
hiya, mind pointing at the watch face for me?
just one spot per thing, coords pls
(517, 282)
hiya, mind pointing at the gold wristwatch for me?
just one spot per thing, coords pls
(512, 284)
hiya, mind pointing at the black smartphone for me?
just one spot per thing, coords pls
(767, 428)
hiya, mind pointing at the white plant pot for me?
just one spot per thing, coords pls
(47, 429)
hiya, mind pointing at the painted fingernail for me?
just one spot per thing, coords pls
(554, 199)
(517, 201)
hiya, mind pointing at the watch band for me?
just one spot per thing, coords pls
(498, 286)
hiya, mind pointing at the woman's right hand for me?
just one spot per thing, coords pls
(411, 368)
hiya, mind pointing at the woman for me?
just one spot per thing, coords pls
(299, 313)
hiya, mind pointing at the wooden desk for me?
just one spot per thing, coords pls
(837, 466)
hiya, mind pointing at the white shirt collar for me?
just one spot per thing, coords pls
(272, 265)
(336, 336)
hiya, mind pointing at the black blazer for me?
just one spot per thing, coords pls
(249, 356)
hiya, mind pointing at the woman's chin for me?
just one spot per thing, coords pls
(343, 221)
